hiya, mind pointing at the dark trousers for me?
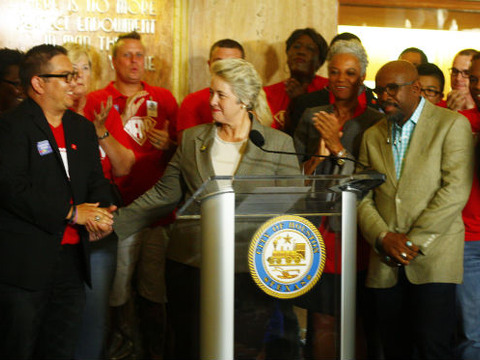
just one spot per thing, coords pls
(416, 321)
(44, 324)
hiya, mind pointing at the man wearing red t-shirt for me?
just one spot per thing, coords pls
(468, 293)
(148, 114)
(51, 186)
(195, 108)
(459, 98)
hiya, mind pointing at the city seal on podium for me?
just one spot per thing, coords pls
(286, 256)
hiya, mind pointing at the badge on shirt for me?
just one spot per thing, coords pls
(152, 108)
(44, 148)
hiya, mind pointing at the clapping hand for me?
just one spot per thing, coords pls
(160, 138)
(101, 117)
(132, 105)
(294, 88)
(456, 100)
(329, 128)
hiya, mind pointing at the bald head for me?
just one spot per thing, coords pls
(398, 90)
(401, 67)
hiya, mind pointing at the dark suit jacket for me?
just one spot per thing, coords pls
(35, 191)
(298, 105)
(306, 137)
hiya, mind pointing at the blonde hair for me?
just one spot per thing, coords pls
(133, 35)
(75, 51)
(246, 84)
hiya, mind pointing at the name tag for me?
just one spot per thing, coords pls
(152, 108)
(44, 148)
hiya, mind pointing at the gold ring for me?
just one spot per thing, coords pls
(97, 218)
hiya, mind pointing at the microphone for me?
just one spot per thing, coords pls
(259, 141)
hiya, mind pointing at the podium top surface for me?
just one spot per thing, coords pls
(277, 195)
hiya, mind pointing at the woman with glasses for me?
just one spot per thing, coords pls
(432, 81)
(334, 129)
(11, 93)
(117, 160)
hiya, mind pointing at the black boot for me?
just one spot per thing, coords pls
(153, 328)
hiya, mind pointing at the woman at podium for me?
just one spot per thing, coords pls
(223, 147)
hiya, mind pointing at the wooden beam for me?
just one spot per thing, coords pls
(459, 5)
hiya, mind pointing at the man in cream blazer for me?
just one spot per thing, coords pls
(413, 221)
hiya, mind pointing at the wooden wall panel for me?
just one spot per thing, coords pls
(25, 23)
(466, 5)
(261, 26)
(177, 33)
(434, 15)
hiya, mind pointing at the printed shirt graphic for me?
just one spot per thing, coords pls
(138, 127)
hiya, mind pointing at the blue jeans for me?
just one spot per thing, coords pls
(468, 299)
(103, 259)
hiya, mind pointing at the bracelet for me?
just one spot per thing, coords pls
(341, 153)
(73, 218)
(76, 216)
(339, 157)
(104, 136)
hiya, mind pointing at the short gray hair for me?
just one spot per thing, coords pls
(353, 47)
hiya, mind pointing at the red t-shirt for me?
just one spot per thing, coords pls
(278, 98)
(442, 103)
(333, 250)
(71, 235)
(471, 211)
(194, 110)
(115, 128)
(362, 103)
(150, 162)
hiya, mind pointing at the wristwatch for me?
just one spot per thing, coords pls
(104, 136)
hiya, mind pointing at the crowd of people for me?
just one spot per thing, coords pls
(94, 265)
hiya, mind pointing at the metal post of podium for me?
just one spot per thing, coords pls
(217, 276)
(349, 275)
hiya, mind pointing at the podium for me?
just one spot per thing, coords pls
(231, 209)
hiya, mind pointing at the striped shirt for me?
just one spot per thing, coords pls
(401, 136)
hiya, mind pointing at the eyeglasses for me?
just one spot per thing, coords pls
(69, 76)
(391, 89)
(455, 72)
(430, 92)
(14, 83)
